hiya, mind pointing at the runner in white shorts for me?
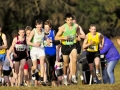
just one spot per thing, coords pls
(35, 40)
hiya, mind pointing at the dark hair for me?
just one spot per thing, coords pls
(38, 21)
(48, 22)
(21, 28)
(68, 15)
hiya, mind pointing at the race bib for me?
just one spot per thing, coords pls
(71, 38)
(20, 47)
(92, 47)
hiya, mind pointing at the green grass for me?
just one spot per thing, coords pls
(79, 86)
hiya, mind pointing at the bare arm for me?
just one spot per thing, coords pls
(4, 46)
(101, 39)
(13, 44)
(86, 44)
(82, 34)
(59, 33)
(8, 54)
(57, 52)
(118, 41)
(30, 38)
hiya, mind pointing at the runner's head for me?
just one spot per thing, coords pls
(28, 29)
(47, 26)
(39, 24)
(92, 29)
(21, 32)
(69, 19)
(74, 19)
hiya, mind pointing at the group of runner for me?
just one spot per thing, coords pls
(36, 53)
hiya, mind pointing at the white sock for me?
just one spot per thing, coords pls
(0, 79)
(73, 76)
(97, 71)
(94, 79)
(65, 76)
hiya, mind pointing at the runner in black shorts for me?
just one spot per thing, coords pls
(19, 46)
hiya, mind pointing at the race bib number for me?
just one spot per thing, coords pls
(20, 47)
(71, 38)
(92, 47)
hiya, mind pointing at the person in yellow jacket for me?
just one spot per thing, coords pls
(92, 46)
(3, 47)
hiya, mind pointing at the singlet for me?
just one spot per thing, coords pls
(94, 47)
(71, 35)
(38, 38)
(6, 65)
(20, 46)
(52, 47)
(2, 51)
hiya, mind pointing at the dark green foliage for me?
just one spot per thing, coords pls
(104, 13)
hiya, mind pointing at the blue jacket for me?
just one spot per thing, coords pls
(109, 50)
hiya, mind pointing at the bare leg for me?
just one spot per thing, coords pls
(22, 63)
(42, 67)
(17, 65)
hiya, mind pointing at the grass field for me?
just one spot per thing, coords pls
(79, 86)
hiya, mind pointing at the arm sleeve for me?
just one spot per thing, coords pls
(105, 48)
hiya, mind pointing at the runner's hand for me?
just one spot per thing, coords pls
(15, 55)
(11, 64)
(37, 44)
(48, 41)
(91, 42)
(65, 38)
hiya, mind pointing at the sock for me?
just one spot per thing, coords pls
(97, 71)
(0, 79)
(41, 78)
(65, 76)
(94, 79)
(73, 76)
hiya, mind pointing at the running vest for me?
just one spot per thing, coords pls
(38, 38)
(94, 47)
(2, 51)
(71, 35)
(50, 50)
(20, 46)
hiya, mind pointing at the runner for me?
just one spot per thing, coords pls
(20, 52)
(67, 35)
(28, 64)
(50, 51)
(35, 40)
(91, 44)
(13, 79)
(3, 46)
(7, 70)
(78, 47)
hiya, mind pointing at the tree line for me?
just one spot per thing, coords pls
(104, 13)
